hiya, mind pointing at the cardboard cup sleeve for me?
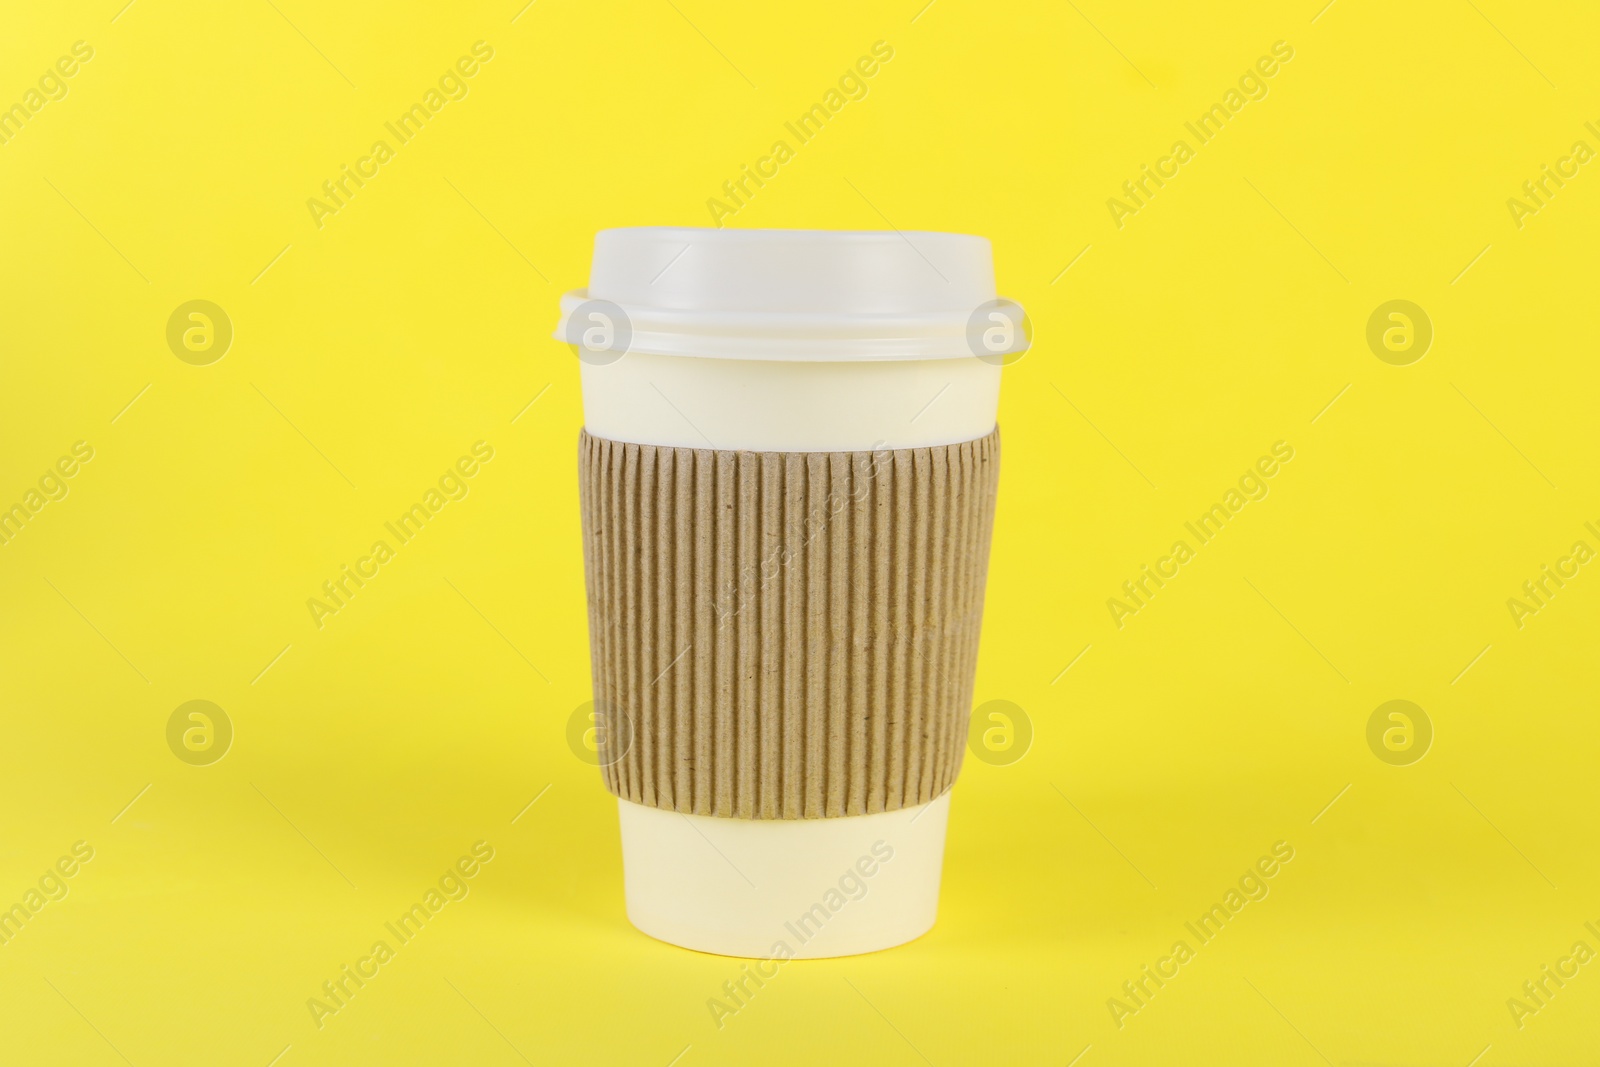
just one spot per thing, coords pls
(784, 635)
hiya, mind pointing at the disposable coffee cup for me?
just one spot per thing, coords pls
(788, 471)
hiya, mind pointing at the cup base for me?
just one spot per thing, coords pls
(783, 889)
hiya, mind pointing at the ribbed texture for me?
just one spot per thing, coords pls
(788, 634)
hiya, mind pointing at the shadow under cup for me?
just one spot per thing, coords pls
(788, 472)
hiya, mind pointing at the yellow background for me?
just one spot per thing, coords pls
(370, 353)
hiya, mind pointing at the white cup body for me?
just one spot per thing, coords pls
(771, 406)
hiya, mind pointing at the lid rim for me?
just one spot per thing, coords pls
(790, 336)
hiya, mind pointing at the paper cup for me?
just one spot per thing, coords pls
(788, 470)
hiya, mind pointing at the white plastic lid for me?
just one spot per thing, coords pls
(809, 295)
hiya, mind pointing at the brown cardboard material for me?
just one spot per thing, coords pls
(788, 635)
